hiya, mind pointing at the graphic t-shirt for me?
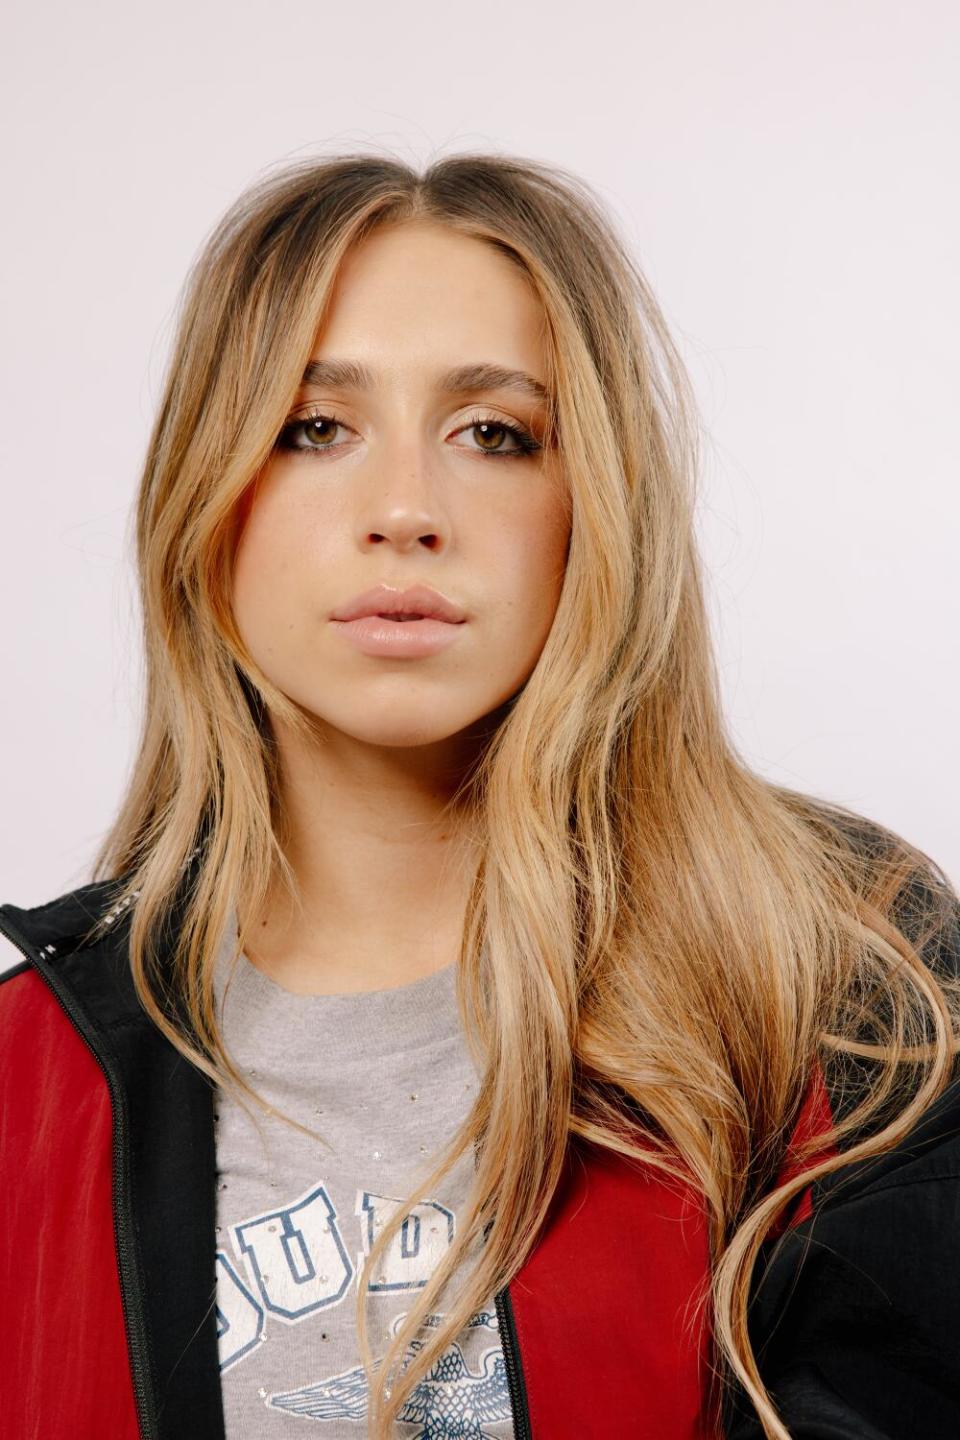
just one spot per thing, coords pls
(386, 1078)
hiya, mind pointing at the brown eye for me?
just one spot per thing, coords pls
(492, 434)
(312, 434)
(489, 430)
(320, 429)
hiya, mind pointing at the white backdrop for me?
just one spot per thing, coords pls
(786, 176)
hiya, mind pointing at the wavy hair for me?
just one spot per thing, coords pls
(659, 944)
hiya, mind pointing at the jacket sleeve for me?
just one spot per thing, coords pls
(855, 1321)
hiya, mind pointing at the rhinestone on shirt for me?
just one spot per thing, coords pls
(414, 1096)
(378, 1155)
(262, 1393)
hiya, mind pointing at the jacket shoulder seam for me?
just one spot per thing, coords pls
(905, 1183)
(833, 1200)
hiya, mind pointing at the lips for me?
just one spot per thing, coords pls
(417, 602)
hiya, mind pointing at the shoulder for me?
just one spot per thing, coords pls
(64, 989)
(35, 941)
(56, 925)
(908, 898)
(912, 889)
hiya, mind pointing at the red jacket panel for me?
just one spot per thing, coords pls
(66, 1370)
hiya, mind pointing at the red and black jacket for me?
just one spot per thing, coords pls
(107, 1249)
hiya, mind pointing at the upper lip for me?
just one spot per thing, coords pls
(415, 600)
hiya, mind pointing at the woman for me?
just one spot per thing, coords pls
(457, 1038)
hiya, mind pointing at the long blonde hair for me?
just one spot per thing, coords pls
(659, 943)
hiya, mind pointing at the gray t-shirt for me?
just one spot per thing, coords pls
(386, 1078)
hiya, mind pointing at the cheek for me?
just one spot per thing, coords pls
(527, 552)
(253, 558)
(263, 562)
(539, 548)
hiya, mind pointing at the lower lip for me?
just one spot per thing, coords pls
(407, 639)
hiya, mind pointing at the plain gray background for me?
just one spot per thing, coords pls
(786, 177)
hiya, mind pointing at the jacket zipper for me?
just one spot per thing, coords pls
(511, 1352)
(510, 1345)
(133, 1313)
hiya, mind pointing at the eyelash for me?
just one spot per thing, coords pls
(524, 440)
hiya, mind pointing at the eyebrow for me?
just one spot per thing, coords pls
(351, 375)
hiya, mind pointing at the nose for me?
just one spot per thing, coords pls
(404, 530)
(401, 507)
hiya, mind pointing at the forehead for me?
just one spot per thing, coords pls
(419, 294)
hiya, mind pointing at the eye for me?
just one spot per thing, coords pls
(316, 428)
(489, 428)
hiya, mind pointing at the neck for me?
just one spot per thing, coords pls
(384, 866)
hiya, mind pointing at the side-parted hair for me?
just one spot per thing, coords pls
(659, 944)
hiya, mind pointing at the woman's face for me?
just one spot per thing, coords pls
(403, 481)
